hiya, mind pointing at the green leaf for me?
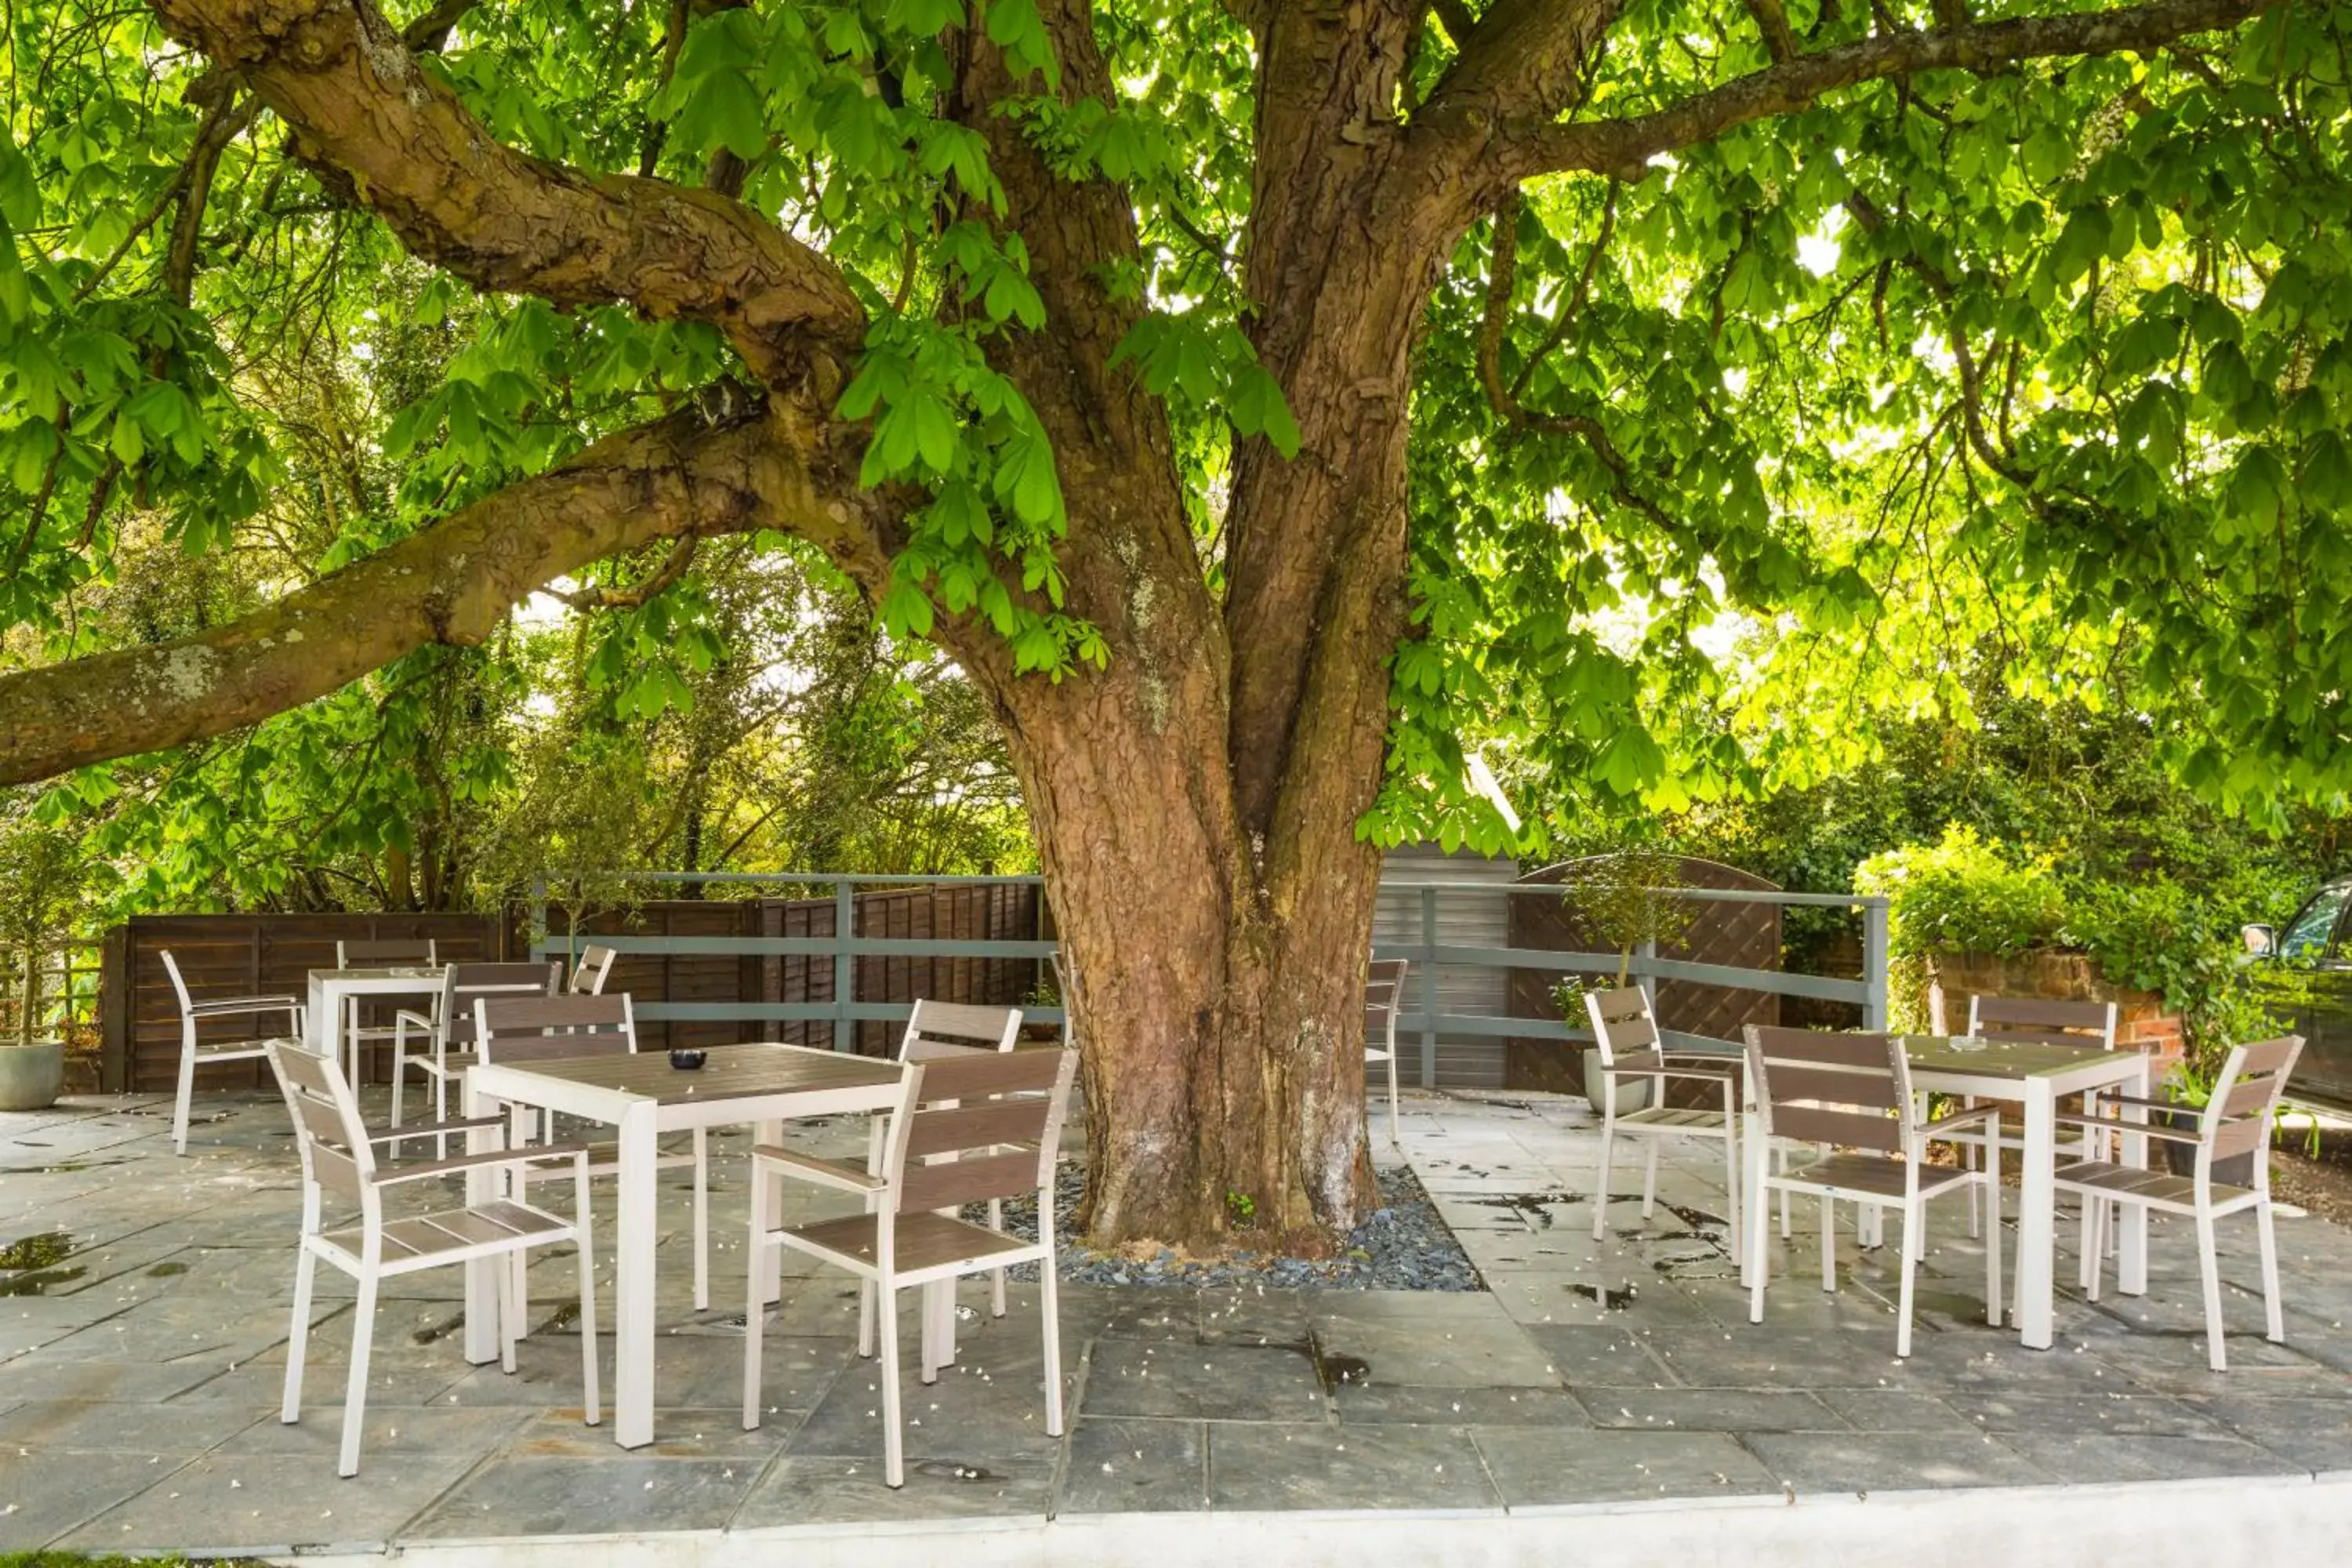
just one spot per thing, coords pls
(1258, 408)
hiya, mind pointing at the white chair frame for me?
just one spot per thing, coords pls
(2041, 1020)
(548, 1026)
(448, 1016)
(339, 1155)
(356, 1035)
(907, 1235)
(1853, 1092)
(194, 1052)
(937, 1030)
(1383, 1000)
(2236, 1120)
(1631, 1048)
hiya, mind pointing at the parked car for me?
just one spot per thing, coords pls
(2318, 943)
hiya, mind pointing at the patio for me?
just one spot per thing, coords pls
(1612, 1395)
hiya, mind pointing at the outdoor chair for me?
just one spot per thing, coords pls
(2235, 1121)
(193, 1051)
(1632, 1052)
(364, 1024)
(339, 1159)
(442, 1031)
(934, 1031)
(1852, 1092)
(588, 972)
(512, 1030)
(1002, 1112)
(2036, 1020)
(1066, 986)
(1383, 1000)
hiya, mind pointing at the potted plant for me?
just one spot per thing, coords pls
(32, 1074)
(1624, 901)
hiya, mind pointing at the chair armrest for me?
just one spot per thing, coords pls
(2144, 1129)
(230, 1006)
(1951, 1119)
(1703, 1073)
(435, 1129)
(2109, 1097)
(821, 1173)
(456, 1163)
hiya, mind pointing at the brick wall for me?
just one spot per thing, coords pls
(2141, 1022)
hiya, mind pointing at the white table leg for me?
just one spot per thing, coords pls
(2037, 1219)
(481, 1274)
(318, 1027)
(1751, 1144)
(632, 1280)
(771, 1289)
(2131, 1265)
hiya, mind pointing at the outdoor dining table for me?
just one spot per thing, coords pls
(333, 989)
(2038, 1076)
(642, 1096)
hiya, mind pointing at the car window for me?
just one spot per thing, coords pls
(2306, 936)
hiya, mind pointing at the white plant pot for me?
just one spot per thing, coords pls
(32, 1077)
(1632, 1094)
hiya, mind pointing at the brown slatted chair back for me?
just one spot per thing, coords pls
(336, 1155)
(984, 1125)
(1848, 1090)
(956, 1028)
(589, 973)
(462, 982)
(2246, 1099)
(2042, 1021)
(549, 1028)
(1621, 1024)
(389, 952)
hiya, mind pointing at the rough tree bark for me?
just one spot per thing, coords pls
(1195, 803)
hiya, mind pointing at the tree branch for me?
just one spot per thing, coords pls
(1625, 146)
(338, 74)
(673, 567)
(452, 582)
(1772, 21)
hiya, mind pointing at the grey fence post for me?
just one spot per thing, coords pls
(845, 966)
(1874, 962)
(1645, 954)
(1429, 988)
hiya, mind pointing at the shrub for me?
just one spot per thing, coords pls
(1960, 895)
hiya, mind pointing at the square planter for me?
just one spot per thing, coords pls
(32, 1077)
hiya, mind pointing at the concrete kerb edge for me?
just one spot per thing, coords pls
(2170, 1524)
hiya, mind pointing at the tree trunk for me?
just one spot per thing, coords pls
(1222, 1040)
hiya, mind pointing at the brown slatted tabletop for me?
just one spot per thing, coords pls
(2013, 1060)
(729, 1072)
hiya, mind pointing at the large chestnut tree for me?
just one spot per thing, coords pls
(1253, 398)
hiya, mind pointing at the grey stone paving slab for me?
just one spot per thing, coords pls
(1601, 1355)
(1469, 1355)
(1891, 1410)
(256, 1499)
(1534, 1467)
(1281, 1466)
(1891, 1461)
(107, 1424)
(1132, 1465)
(1761, 1356)
(1241, 1383)
(2314, 1431)
(1634, 1301)
(1379, 1404)
(2105, 1458)
(1711, 1410)
(2073, 1413)
(963, 1417)
(835, 1489)
(583, 1494)
(390, 1430)
(33, 1377)
(47, 1492)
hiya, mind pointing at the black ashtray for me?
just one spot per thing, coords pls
(688, 1059)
